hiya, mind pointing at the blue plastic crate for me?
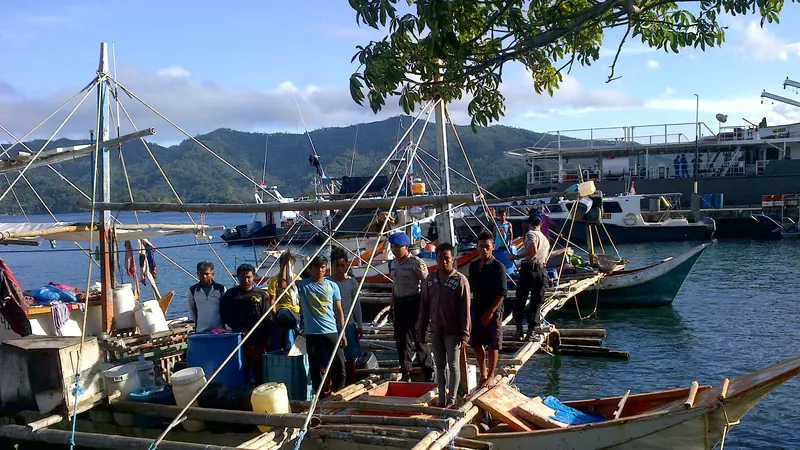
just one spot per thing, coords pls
(293, 371)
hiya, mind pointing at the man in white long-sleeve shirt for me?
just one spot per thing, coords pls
(202, 301)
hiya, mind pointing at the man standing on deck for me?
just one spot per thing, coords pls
(240, 308)
(354, 330)
(445, 306)
(321, 304)
(504, 233)
(532, 277)
(408, 273)
(487, 280)
(203, 299)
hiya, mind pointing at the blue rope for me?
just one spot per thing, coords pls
(75, 393)
(299, 439)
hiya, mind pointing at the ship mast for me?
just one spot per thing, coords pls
(106, 267)
(444, 222)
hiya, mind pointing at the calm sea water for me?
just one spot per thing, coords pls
(738, 311)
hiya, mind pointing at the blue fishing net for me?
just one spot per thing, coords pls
(568, 415)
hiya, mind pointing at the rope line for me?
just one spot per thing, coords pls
(352, 207)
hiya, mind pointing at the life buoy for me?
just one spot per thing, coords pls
(630, 219)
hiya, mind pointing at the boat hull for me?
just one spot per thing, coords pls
(642, 233)
(651, 286)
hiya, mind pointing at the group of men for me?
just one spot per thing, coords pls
(321, 299)
(457, 310)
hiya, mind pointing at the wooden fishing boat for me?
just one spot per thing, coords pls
(649, 286)
(692, 418)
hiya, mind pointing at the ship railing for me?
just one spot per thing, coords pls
(761, 164)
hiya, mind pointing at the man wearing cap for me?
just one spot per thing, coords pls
(408, 272)
(532, 276)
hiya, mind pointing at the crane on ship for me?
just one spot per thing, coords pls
(788, 101)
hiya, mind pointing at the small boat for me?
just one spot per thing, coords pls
(653, 285)
(267, 228)
(698, 417)
(624, 222)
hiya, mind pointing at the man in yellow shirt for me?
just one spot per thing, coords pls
(287, 309)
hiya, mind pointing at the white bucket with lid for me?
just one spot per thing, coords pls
(186, 383)
(146, 372)
(124, 304)
(125, 380)
(149, 318)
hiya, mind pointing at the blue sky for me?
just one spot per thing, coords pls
(207, 66)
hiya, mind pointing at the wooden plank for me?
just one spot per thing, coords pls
(537, 413)
(501, 400)
(692, 394)
(621, 405)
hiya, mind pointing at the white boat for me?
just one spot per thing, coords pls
(623, 220)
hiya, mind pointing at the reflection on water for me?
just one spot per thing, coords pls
(737, 312)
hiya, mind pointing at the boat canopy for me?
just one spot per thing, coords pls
(82, 231)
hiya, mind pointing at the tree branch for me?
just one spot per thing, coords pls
(616, 57)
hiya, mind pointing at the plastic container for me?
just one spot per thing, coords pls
(418, 189)
(124, 304)
(291, 371)
(208, 351)
(586, 188)
(146, 372)
(186, 383)
(149, 318)
(718, 200)
(125, 380)
(270, 398)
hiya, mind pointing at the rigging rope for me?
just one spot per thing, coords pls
(16, 198)
(76, 391)
(33, 159)
(88, 88)
(352, 207)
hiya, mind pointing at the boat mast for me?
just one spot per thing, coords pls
(106, 268)
(444, 222)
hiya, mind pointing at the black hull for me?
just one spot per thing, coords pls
(640, 234)
(265, 236)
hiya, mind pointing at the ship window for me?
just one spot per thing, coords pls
(611, 207)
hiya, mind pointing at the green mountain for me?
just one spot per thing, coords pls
(198, 176)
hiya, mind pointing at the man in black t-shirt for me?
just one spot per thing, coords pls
(487, 280)
(240, 308)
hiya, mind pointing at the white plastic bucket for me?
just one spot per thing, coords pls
(270, 398)
(146, 372)
(124, 304)
(186, 383)
(149, 318)
(125, 380)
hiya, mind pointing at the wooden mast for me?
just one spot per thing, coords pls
(106, 267)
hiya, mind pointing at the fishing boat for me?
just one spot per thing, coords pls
(649, 286)
(698, 417)
(377, 411)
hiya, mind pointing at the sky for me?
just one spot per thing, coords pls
(273, 65)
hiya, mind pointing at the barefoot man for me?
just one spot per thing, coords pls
(487, 280)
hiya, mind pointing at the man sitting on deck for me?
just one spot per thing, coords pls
(203, 299)
(487, 280)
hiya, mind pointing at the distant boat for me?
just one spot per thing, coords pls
(623, 220)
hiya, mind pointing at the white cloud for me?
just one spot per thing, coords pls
(627, 50)
(173, 72)
(764, 45)
(201, 106)
(653, 64)
(668, 92)
(737, 108)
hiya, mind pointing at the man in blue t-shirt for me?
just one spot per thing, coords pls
(321, 306)
(504, 233)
